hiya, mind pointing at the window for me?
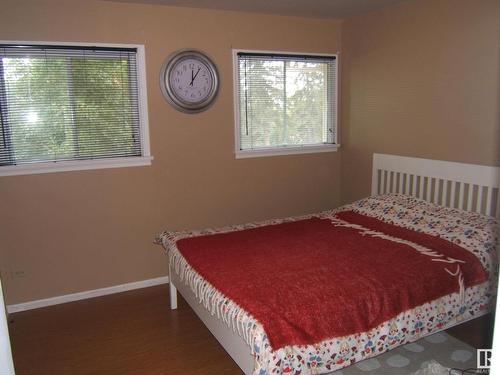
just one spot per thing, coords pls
(285, 103)
(71, 107)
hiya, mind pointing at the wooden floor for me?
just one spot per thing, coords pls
(135, 333)
(127, 333)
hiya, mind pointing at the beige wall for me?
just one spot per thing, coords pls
(76, 231)
(420, 79)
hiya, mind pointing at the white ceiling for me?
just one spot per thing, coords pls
(303, 8)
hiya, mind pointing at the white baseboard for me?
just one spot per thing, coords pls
(85, 295)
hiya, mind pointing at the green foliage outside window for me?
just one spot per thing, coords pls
(68, 108)
(283, 103)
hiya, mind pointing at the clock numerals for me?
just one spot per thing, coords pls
(189, 81)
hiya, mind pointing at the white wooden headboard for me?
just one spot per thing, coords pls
(469, 187)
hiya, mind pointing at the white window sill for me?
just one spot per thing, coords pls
(276, 151)
(74, 165)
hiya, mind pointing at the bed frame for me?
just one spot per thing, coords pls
(469, 187)
(465, 186)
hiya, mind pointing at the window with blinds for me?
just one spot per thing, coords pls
(285, 103)
(70, 105)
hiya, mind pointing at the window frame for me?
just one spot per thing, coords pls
(281, 150)
(97, 163)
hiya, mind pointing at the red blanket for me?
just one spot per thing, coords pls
(311, 280)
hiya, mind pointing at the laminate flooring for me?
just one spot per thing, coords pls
(134, 333)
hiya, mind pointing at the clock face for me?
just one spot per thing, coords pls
(189, 81)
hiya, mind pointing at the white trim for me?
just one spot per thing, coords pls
(85, 295)
(101, 163)
(78, 44)
(280, 150)
(256, 153)
(74, 165)
(236, 101)
(143, 99)
(337, 97)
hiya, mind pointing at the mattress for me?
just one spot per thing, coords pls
(475, 233)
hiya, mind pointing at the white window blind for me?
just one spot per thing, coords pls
(68, 103)
(285, 101)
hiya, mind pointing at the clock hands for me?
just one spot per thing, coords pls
(196, 73)
(193, 77)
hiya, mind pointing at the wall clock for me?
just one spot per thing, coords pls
(189, 80)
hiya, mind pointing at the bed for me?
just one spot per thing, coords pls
(431, 214)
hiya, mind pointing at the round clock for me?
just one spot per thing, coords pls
(189, 81)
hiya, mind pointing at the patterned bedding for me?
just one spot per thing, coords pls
(476, 233)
